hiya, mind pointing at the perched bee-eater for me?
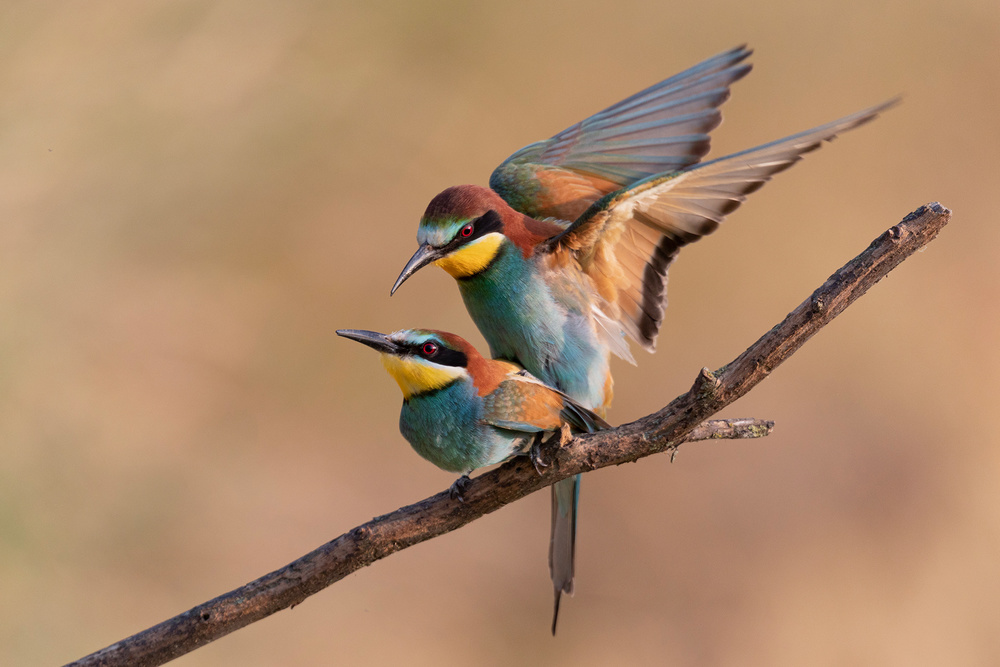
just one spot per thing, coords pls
(462, 411)
(565, 255)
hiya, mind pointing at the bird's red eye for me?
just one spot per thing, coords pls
(429, 349)
(466, 231)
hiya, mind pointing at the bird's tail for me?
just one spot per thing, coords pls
(562, 546)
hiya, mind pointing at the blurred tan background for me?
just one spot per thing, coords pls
(195, 195)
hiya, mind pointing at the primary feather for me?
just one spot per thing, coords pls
(626, 241)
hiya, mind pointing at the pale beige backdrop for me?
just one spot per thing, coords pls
(195, 195)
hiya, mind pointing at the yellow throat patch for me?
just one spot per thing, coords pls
(416, 376)
(473, 257)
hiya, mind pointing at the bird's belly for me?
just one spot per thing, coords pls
(583, 367)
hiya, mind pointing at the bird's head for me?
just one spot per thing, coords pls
(461, 231)
(420, 360)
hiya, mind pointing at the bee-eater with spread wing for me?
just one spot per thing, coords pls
(565, 255)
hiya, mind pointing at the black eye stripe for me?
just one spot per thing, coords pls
(486, 223)
(444, 354)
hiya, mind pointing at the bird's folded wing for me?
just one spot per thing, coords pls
(524, 403)
(662, 128)
(626, 240)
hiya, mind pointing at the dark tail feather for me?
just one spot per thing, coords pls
(555, 612)
(562, 545)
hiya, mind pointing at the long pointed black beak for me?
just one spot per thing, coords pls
(424, 255)
(372, 339)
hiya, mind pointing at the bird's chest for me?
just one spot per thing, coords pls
(444, 428)
(516, 311)
(543, 322)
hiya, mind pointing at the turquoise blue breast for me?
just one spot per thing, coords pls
(524, 320)
(443, 427)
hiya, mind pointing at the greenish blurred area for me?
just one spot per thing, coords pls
(195, 195)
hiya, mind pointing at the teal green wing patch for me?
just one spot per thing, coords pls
(516, 426)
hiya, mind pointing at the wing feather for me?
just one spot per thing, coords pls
(662, 128)
(627, 240)
(522, 402)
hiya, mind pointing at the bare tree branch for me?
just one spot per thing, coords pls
(730, 429)
(678, 422)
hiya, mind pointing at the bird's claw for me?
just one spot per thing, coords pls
(457, 490)
(536, 457)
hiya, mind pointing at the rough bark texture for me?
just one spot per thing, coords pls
(680, 421)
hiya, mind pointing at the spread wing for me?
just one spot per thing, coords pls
(522, 402)
(662, 128)
(626, 241)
